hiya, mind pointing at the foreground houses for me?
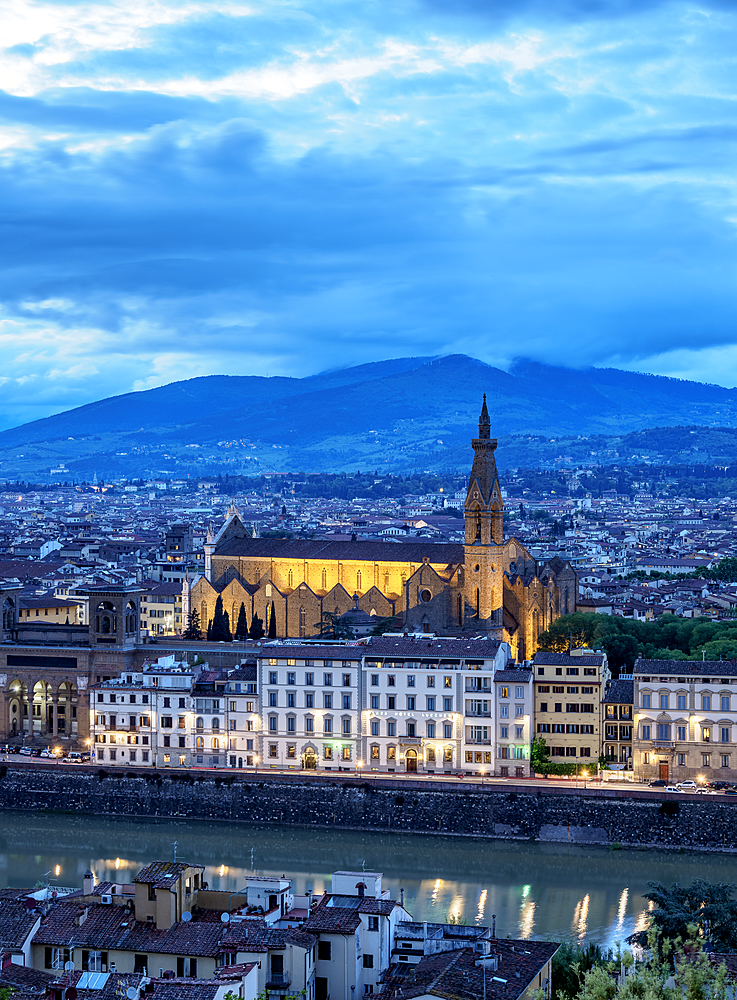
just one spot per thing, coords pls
(167, 935)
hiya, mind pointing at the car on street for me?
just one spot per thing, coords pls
(48, 752)
(719, 786)
(26, 751)
(688, 786)
(658, 783)
(73, 757)
(672, 788)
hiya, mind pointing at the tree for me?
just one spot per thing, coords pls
(256, 630)
(707, 906)
(194, 627)
(538, 754)
(330, 627)
(241, 629)
(220, 631)
(272, 621)
(568, 631)
(209, 630)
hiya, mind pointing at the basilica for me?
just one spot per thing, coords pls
(486, 586)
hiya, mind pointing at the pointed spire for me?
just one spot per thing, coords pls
(484, 422)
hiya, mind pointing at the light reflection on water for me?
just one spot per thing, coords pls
(554, 891)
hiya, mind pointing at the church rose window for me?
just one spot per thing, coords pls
(425, 596)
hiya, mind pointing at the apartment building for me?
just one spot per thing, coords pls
(309, 706)
(617, 713)
(144, 717)
(685, 719)
(514, 716)
(568, 691)
(427, 704)
(161, 609)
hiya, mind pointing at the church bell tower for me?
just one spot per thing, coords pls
(484, 521)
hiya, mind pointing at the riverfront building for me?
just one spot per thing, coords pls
(569, 688)
(685, 722)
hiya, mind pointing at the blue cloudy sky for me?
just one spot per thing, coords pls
(189, 188)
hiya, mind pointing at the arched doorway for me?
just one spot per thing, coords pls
(410, 759)
(310, 759)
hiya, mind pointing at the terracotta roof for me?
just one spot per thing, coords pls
(163, 873)
(114, 928)
(466, 649)
(254, 936)
(691, 668)
(510, 676)
(566, 660)
(16, 923)
(620, 693)
(455, 975)
(345, 917)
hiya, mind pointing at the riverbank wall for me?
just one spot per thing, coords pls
(509, 812)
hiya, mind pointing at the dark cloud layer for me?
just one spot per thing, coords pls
(300, 187)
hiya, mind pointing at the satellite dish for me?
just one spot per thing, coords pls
(69, 966)
(225, 918)
(186, 917)
(132, 993)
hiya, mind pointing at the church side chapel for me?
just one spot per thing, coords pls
(487, 586)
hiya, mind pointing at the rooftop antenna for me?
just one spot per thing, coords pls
(175, 845)
(252, 850)
(363, 865)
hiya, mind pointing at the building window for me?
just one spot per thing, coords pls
(681, 759)
(327, 724)
(448, 755)
(646, 701)
(664, 702)
(327, 753)
(346, 753)
(681, 734)
(726, 734)
(447, 730)
(323, 951)
(368, 961)
(273, 749)
(373, 923)
(327, 701)
(706, 760)
(374, 680)
(430, 704)
(725, 760)
(391, 728)
(725, 702)
(706, 734)
(273, 677)
(681, 701)
(346, 727)
(431, 730)
(375, 727)
(374, 701)
(706, 703)
(391, 753)
(646, 732)
(374, 751)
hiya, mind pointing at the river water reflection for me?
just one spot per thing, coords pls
(536, 890)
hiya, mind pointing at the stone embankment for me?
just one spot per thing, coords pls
(509, 812)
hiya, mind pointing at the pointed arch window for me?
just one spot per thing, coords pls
(324, 579)
(290, 578)
(358, 580)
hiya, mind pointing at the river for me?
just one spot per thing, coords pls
(548, 891)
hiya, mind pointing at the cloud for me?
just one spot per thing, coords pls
(252, 189)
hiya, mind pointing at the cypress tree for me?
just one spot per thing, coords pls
(194, 628)
(209, 631)
(220, 624)
(272, 622)
(241, 629)
(257, 627)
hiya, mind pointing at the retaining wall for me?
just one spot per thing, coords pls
(510, 812)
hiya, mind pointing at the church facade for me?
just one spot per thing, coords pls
(487, 586)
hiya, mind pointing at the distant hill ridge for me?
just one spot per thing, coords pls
(411, 409)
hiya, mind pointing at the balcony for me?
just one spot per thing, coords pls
(471, 689)
(278, 979)
(478, 743)
(478, 715)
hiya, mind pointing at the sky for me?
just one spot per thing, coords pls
(276, 188)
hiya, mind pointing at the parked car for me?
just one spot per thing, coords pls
(48, 752)
(14, 749)
(672, 788)
(688, 785)
(73, 757)
(37, 751)
(659, 783)
(26, 751)
(718, 786)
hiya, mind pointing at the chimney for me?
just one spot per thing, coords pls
(424, 930)
(7, 960)
(401, 897)
(88, 882)
(493, 927)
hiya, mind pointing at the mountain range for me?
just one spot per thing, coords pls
(395, 415)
